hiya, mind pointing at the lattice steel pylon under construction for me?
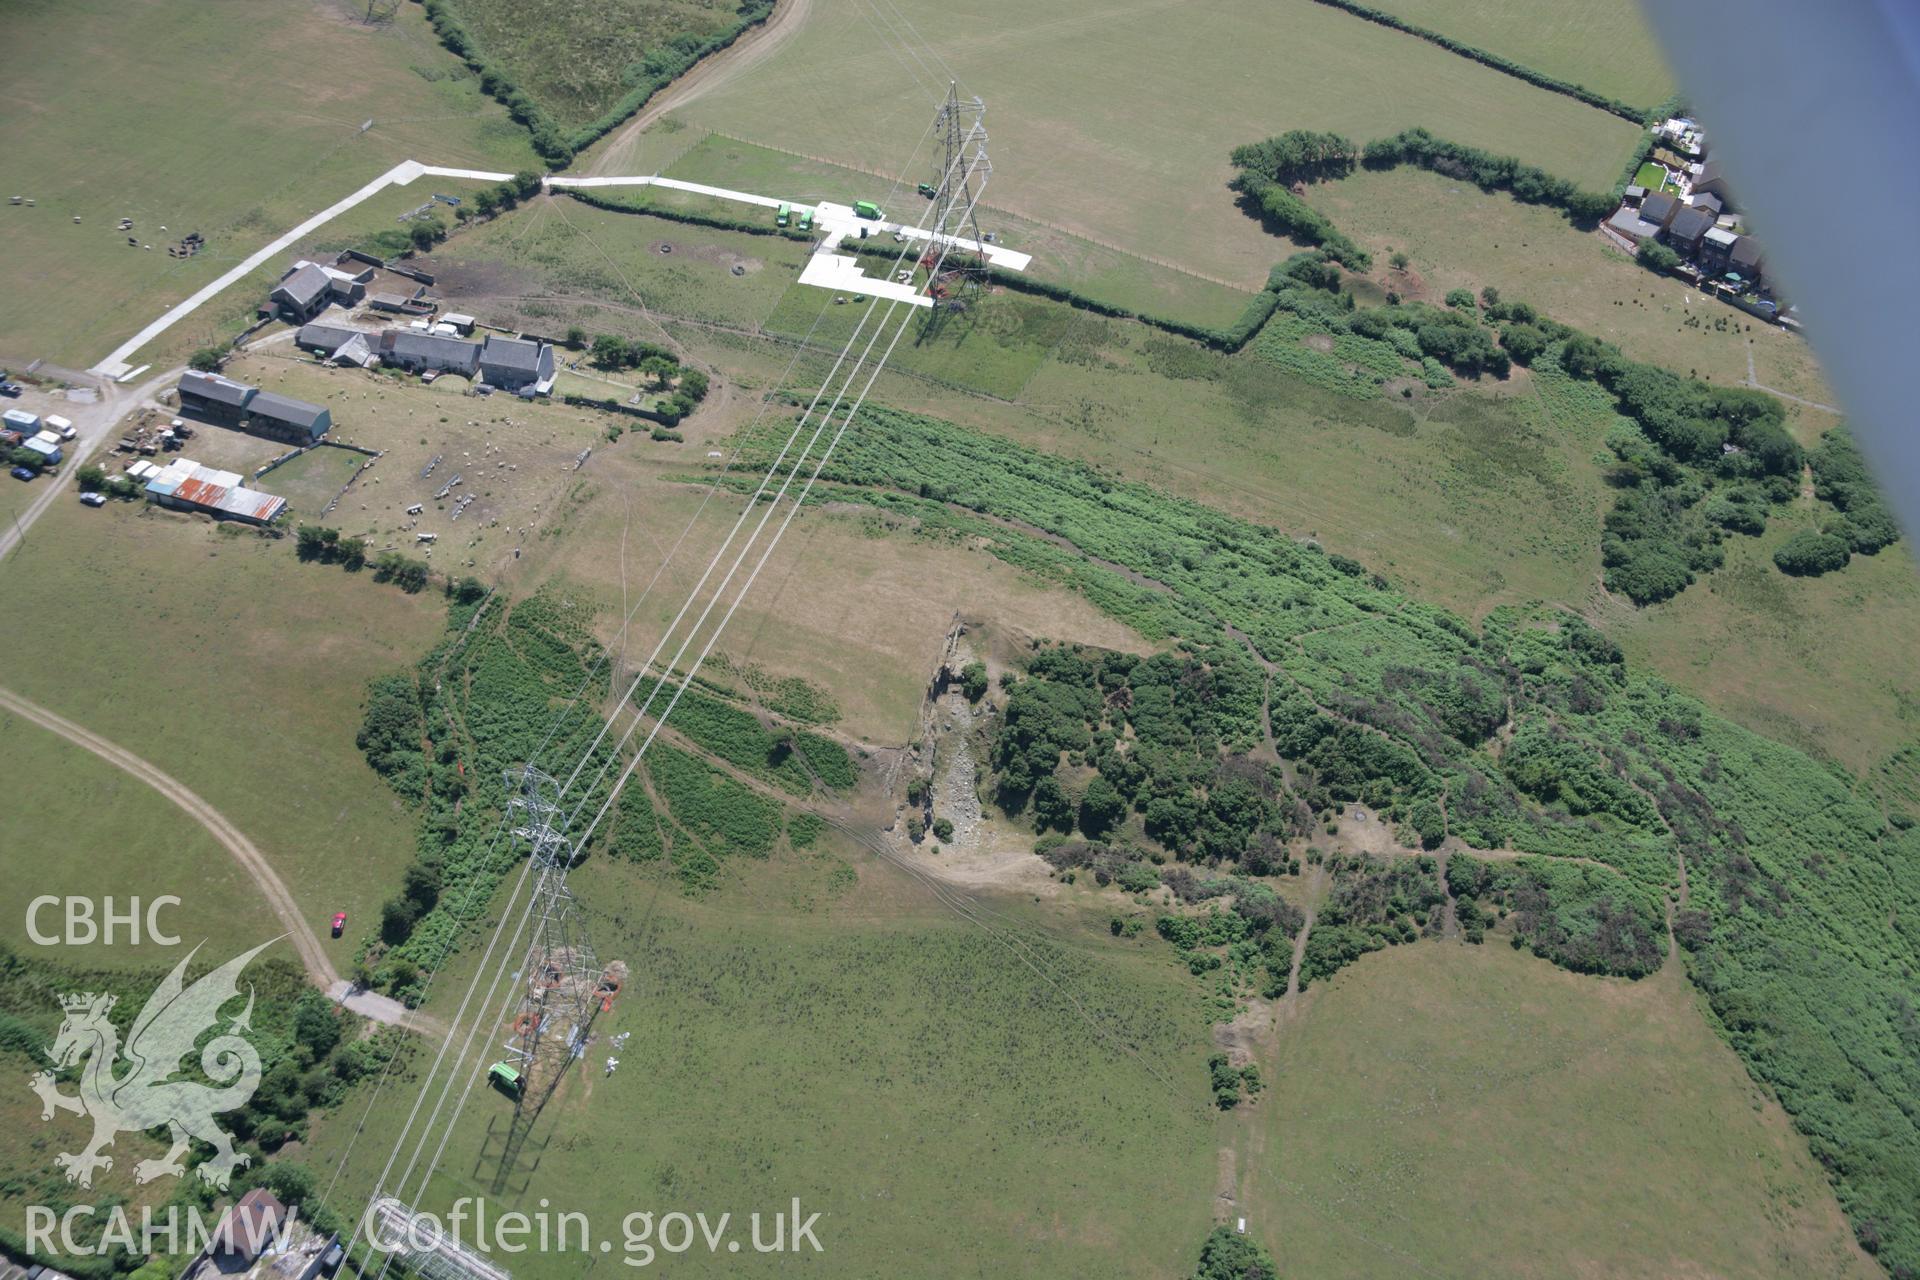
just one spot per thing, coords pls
(964, 168)
(563, 988)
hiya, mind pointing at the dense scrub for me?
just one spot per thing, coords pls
(1802, 924)
(556, 143)
(1375, 903)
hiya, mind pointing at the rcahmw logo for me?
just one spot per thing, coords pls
(132, 1087)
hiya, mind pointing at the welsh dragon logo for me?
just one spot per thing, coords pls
(145, 1095)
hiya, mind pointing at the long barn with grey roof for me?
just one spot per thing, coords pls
(284, 418)
(420, 352)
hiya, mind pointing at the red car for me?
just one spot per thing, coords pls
(339, 923)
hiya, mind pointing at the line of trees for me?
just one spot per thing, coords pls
(1490, 172)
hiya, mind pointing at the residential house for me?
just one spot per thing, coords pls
(1715, 248)
(1747, 260)
(1688, 229)
(1710, 181)
(1633, 196)
(284, 418)
(1659, 209)
(213, 397)
(1630, 223)
(513, 363)
(1708, 202)
(247, 1229)
(423, 352)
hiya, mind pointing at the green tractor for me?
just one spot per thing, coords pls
(928, 190)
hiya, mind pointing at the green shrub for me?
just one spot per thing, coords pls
(1808, 554)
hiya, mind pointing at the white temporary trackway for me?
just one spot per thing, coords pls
(825, 269)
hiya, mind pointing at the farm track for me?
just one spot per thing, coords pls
(742, 55)
(279, 899)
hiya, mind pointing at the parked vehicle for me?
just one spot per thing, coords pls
(11, 389)
(928, 190)
(94, 499)
(339, 923)
(866, 209)
(59, 426)
(783, 215)
(23, 473)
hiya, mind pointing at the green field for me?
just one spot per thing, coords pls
(946, 1107)
(1605, 47)
(1108, 138)
(77, 825)
(312, 480)
(1126, 279)
(224, 661)
(573, 59)
(1449, 1110)
(541, 264)
(264, 131)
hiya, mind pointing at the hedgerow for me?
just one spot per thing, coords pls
(1507, 66)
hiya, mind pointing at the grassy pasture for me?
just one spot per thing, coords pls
(124, 839)
(230, 118)
(571, 58)
(1094, 267)
(885, 1062)
(514, 458)
(1468, 497)
(227, 663)
(1606, 47)
(538, 263)
(1418, 1123)
(1097, 125)
(862, 614)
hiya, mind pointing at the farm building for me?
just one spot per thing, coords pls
(338, 342)
(404, 303)
(513, 363)
(284, 418)
(421, 352)
(213, 397)
(185, 485)
(320, 336)
(308, 288)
